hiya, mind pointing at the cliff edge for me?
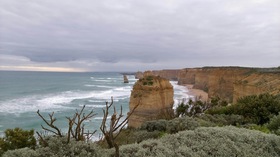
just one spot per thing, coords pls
(228, 83)
(154, 96)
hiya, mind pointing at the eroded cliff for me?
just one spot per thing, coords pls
(228, 83)
(154, 96)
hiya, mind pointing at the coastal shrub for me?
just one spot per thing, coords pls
(191, 108)
(17, 138)
(274, 125)
(211, 141)
(190, 123)
(261, 128)
(57, 147)
(171, 126)
(142, 135)
(179, 124)
(222, 119)
(182, 109)
(256, 109)
(159, 125)
(203, 141)
(197, 106)
(129, 136)
(23, 152)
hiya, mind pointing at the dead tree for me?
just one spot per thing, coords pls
(75, 126)
(116, 125)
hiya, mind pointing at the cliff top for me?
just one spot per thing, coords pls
(250, 69)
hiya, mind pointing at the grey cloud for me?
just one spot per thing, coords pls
(146, 33)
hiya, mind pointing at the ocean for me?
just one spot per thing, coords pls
(23, 93)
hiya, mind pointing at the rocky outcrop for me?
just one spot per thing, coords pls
(154, 96)
(125, 79)
(228, 83)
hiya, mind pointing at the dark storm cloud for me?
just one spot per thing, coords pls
(136, 35)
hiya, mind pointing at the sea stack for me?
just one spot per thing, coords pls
(125, 79)
(154, 96)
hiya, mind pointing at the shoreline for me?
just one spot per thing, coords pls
(197, 93)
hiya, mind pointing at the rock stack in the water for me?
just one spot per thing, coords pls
(125, 79)
(154, 96)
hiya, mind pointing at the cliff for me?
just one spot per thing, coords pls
(228, 83)
(257, 83)
(154, 96)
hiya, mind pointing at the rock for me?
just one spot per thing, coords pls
(125, 79)
(154, 96)
(228, 83)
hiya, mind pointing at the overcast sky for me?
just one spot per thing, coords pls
(132, 35)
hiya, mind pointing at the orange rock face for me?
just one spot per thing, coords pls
(228, 83)
(154, 96)
(257, 83)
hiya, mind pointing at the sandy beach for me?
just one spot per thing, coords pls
(198, 93)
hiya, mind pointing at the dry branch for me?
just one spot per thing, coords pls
(75, 126)
(116, 125)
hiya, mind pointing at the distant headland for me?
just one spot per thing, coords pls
(228, 83)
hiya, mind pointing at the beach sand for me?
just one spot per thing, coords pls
(197, 93)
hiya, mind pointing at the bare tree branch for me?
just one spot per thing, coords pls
(116, 125)
(50, 124)
(76, 128)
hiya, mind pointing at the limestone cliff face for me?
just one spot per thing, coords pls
(228, 83)
(216, 81)
(154, 95)
(257, 83)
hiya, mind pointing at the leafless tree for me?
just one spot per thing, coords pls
(116, 125)
(76, 128)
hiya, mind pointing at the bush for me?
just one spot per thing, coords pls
(211, 141)
(197, 107)
(274, 125)
(261, 128)
(17, 138)
(57, 147)
(191, 123)
(222, 119)
(255, 109)
(159, 125)
(171, 126)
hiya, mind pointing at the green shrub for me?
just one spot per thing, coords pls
(201, 142)
(17, 138)
(191, 123)
(159, 125)
(182, 109)
(255, 109)
(204, 142)
(274, 124)
(57, 147)
(261, 128)
(222, 119)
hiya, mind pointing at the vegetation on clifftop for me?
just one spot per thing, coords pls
(227, 131)
(256, 109)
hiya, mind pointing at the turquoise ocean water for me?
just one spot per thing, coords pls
(23, 93)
